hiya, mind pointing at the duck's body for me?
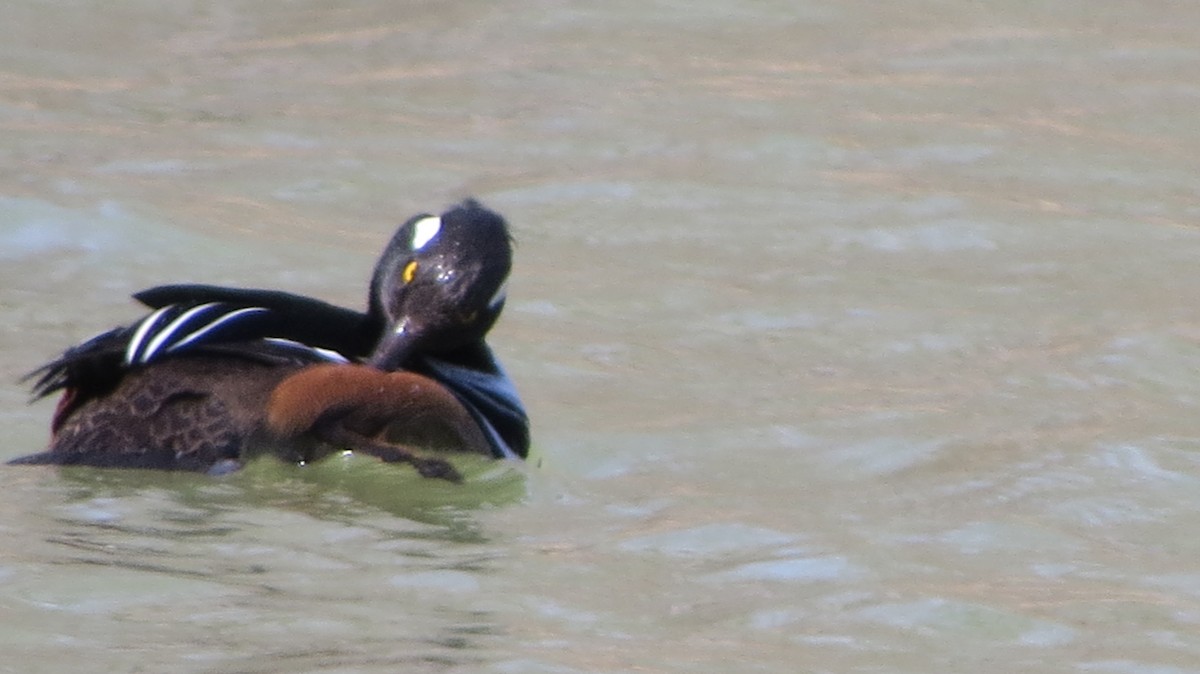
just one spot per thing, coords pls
(184, 413)
(216, 374)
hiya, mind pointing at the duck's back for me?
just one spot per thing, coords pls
(200, 414)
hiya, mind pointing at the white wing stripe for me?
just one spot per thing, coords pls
(140, 334)
(209, 327)
(327, 354)
(166, 333)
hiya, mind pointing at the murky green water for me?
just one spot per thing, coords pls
(856, 337)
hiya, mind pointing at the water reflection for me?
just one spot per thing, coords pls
(340, 488)
(266, 557)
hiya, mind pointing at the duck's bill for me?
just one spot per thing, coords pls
(394, 349)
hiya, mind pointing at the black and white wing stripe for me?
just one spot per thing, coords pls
(296, 317)
(216, 326)
(174, 327)
(309, 350)
(219, 328)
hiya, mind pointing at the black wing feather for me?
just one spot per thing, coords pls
(296, 317)
(210, 327)
(98, 360)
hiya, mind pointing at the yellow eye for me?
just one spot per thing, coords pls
(410, 270)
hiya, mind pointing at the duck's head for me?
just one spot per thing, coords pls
(440, 284)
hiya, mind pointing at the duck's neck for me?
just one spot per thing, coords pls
(476, 378)
(476, 356)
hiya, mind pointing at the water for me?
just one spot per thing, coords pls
(856, 337)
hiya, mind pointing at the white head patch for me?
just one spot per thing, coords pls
(424, 230)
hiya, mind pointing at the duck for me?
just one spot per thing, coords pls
(214, 376)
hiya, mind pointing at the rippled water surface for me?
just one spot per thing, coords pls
(857, 336)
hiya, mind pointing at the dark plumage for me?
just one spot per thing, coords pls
(215, 373)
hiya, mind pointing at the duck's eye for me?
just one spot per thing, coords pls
(410, 270)
(468, 316)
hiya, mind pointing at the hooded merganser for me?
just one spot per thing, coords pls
(215, 372)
